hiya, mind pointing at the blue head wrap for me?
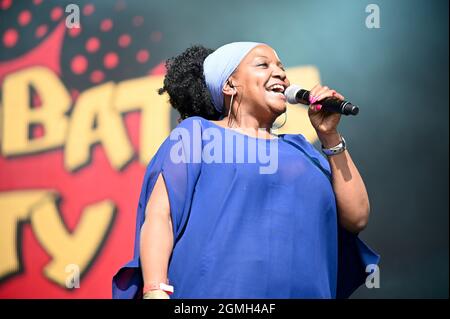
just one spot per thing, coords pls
(219, 65)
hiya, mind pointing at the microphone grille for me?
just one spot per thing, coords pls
(291, 92)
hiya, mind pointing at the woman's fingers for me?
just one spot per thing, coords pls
(314, 90)
(315, 107)
(318, 93)
(338, 95)
(313, 93)
(324, 93)
(314, 98)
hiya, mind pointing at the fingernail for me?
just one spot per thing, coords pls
(313, 100)
(319, 107)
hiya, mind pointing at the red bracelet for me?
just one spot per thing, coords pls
(161, 286)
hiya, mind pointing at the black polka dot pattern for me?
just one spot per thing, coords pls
(115, 41)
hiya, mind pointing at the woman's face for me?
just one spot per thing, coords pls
(260, 81)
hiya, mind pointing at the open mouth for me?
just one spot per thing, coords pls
(277, 89)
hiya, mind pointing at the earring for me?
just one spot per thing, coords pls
(277, 127)
(229, 111)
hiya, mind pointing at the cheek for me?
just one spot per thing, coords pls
(261, 83)
(256, 84)
(260, 76)
(256, 88)
(288, 82)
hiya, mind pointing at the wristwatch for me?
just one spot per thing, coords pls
(342, 146)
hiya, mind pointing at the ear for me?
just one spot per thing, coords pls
(228, 88)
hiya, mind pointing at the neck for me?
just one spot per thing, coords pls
(262, 123)
(250, 124)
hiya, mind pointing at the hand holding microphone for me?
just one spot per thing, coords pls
(335, 104)
(325, 109)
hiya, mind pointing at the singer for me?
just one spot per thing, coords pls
(224, 229)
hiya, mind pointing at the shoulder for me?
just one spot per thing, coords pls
(192, 122)
(188, 128)
(301, 143)
(187, 135)
(297, 139)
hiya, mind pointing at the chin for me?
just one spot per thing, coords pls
(278, 109)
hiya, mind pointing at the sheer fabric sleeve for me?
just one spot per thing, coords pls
(174, 160)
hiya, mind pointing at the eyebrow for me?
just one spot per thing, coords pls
(263, 56)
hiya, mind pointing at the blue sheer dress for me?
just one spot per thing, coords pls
(246, 228)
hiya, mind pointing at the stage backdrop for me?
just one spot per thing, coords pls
(80, 118)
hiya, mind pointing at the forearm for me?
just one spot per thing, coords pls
(155, 248)
(351, 194)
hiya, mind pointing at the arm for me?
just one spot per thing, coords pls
(156, 238)
(351, 195)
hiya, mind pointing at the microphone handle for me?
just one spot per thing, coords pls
(330, 104)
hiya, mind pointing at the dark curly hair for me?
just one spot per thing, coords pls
(185, 84)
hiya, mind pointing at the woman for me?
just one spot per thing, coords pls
(225, 227)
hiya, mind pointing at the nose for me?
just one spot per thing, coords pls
(278, 72)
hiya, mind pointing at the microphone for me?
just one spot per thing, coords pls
(295, 94)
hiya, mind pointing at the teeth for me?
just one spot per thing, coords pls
(278, 87)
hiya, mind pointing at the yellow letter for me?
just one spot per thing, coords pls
(80, 246)
(15, 208)
(95, 106)
(18, 115)
(141, 94)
